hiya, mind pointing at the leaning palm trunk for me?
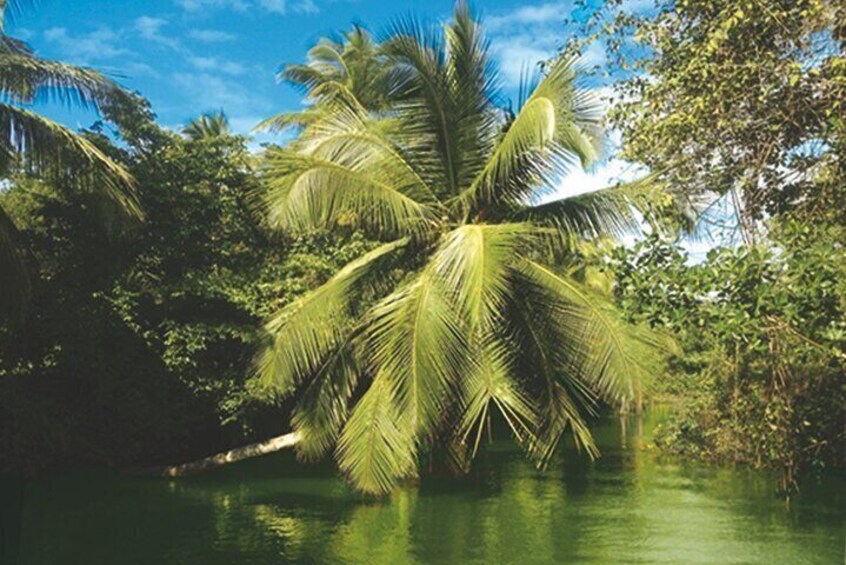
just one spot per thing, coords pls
(266, 447)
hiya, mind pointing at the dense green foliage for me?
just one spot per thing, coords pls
(762, 379)
(743, 101)
(38, 145)
(734, 97)
(389, 279)
(138, 342)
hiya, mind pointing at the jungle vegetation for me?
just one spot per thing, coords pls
(395, 284)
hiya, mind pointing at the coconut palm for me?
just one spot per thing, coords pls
(35, 144)
(482, 326)
(352, 65)
(207, 126)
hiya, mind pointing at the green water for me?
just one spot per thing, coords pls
(631, 506)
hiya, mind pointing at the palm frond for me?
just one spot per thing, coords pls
(607, 212)
(23, 77)
(474, 263)
(427, 97)
(615, 211)
(323, 406)
(354, 63)
(416, 341)
(544, 365)
(306, 191)
(490, 383)
(306, 332)
(11, 8)
(49, 148)
(207, 126)
(557, 127)
(473, 82)
(292, 120)
(377, 445)
(347, 134)
(614, 359)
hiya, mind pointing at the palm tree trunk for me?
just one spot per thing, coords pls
(271, 445)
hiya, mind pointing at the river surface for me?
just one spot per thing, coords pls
(630, 506)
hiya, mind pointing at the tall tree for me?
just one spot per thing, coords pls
(482, 324)
(740, 98)
(32, 143)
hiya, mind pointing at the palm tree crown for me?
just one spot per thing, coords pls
(207, 126)
(481, 323)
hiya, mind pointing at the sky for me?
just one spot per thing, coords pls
(193, 56)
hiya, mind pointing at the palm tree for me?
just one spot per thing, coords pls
(207, 126)
(353, 65)
(482, 324)
(35, 144)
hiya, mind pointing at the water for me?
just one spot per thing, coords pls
(631, 506)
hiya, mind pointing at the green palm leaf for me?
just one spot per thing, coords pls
(474, 262)
(483, 329)
(323, 406)
(308, 192)
(24, 76)
(490, 383)
(614, 211)
(613, 358)
(47, 147)
(306, 332)
(418, 344)
(558, 124)
(377, 446)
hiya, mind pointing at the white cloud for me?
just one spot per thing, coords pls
(211, 36)
(198, 5)
(519, 56)
(210, 91)
(526, 36)
(151, 29)
(307, 7)
(638, 7)
(594, 55)
(98, 45)
(522, 16)
(605, 174)
(215, 64)
(272, 6)
(275, 6)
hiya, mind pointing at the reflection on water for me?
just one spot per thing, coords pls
(631, 506)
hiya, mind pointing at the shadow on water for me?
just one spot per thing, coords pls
(11, 512)
(630, 506)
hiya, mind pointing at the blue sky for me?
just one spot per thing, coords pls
(192, 56)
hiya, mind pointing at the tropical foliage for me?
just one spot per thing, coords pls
(737, 98)
(481, 323)
(763, 373)
(33, 144)
(743, 100)
(139, 343)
